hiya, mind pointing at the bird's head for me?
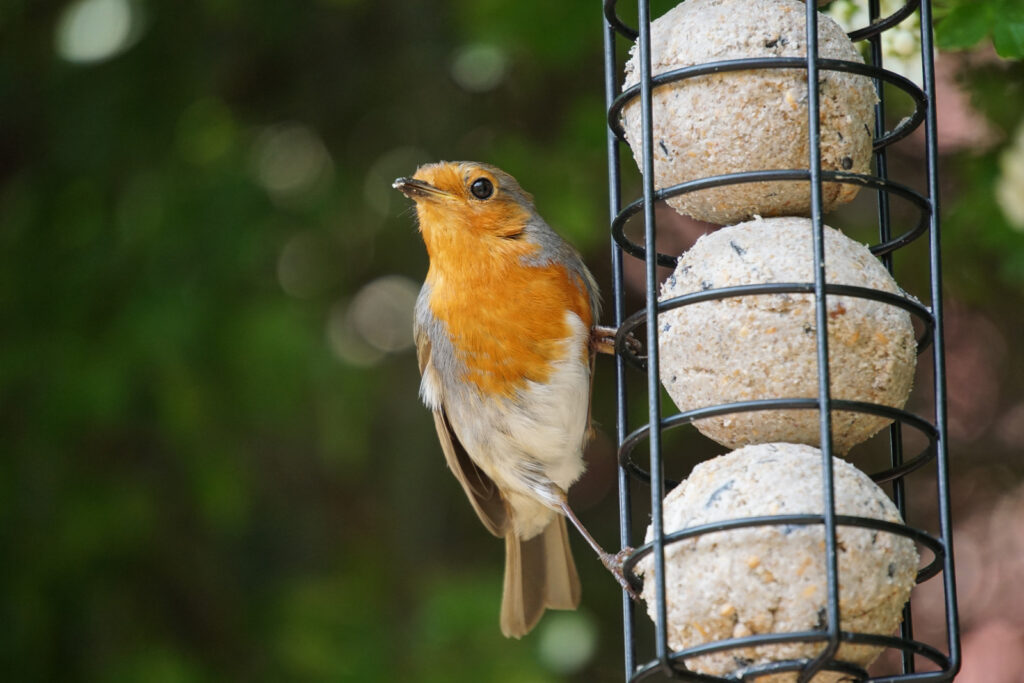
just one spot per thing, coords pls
(464, 204)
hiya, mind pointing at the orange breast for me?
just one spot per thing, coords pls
(508, 321)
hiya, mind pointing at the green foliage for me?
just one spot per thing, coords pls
(997, 91)
(963, 24)
(202, 479)
(976, 227)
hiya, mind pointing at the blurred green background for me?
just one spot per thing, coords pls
(213, 462)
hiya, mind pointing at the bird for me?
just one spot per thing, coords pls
(506, 335)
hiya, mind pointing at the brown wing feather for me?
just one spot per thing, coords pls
(483, 494)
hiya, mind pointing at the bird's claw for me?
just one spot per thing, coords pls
(602, 340)
(614, 564)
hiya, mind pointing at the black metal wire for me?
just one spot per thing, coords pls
(880, 184)
(905, 127)
(875, 27)
(662, 661)
(628, 328)
(896, 457)
(662, 653)
(938, 348)
(805, 519)
(619, 305)
(902, 417)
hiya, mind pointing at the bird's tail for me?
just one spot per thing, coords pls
(539, 574)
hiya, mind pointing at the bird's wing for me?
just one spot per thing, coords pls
(483, 494)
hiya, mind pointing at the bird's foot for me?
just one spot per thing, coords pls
(614, 564)
(602, 340)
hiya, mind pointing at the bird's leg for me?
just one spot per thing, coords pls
(602, 340)
(612, 563)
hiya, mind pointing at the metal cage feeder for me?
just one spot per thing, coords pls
(662, 662)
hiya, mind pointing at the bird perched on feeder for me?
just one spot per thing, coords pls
(505, 337)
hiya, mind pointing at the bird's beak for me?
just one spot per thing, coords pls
(416, 189)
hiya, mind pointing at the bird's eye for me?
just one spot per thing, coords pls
(482, 188)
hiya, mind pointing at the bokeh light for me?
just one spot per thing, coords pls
(96, 30)
(568, 641)
(290, 160)
(375, 322)
(1010, 185)
(345, 342)
(480, 67)
(382, 312)
(303, 266)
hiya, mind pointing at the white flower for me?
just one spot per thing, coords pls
(901, 44)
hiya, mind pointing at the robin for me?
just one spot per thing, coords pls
(506, 337)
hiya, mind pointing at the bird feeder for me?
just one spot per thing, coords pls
(664, 110)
